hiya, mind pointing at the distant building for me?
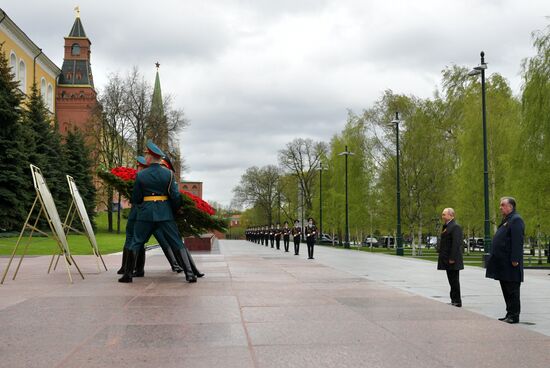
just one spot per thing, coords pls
(194, 187)
(235, 220)
(68, 92)
(76, 97)
(28, 63)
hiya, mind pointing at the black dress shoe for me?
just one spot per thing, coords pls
(199, 274)
(190, 278)
(458, 305)
(503, 318)
(138, 274)
(512, 320)
(177, 268)
(125, 279)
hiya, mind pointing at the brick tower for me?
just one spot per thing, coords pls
(75, 95)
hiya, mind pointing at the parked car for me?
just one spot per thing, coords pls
(476, 243)
(387, 241)
(328, 239)
(431, 241)
(370, 241)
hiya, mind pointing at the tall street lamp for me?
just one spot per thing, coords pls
(347, 153)
(320, 168)
(399, 241)
(487, 240)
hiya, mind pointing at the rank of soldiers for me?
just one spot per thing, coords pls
(270, 236)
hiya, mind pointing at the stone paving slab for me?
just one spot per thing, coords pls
(259, 307)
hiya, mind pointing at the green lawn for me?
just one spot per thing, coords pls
(78, 244)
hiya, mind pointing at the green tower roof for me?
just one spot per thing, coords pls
(156, 103)
(78, 29)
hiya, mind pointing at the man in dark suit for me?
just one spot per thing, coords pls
(505, 262)
(450, 253)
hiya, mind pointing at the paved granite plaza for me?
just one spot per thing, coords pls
(259, 307)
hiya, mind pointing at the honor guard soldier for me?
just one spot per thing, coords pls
(156, 196)
(272, 236)
(286, 236)
(311, 235)
(278, 233)
(266, 235)
(140, 257)
(296, 235)
(166, 162)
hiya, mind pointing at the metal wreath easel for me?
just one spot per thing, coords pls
(77, 207)
(57, 232)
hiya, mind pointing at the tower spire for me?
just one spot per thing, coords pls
(156, 103)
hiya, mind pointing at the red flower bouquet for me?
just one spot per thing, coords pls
(121, 179)
(194, 217)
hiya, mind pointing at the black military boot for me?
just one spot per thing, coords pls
(129, 266)
(124, 256)
(169, 254)
(194, 268)
(140, 263)
(182, 257)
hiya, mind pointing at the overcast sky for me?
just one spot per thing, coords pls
(251, 75)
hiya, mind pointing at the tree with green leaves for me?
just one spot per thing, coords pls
(258, 188)
(361, 175)
(301, 158)
(503, 118)
(47, 153)
(533, 151)
(15, 195)
(79, 166)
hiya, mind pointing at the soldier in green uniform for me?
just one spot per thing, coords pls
(166, 162)
(278, 233)
(286, 236)
(156, 197)
(272, 235)
(140, 261)
(311, 235)
(296, 234)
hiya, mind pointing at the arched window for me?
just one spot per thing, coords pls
(75, 49)
(43, 89)
(13, 65)
(49, 100)
(23, 76)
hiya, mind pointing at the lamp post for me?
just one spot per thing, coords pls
(346, 153)
(487, 240)
(320, 168)
(399, 241)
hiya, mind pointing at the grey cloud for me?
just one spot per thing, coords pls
(252, 75)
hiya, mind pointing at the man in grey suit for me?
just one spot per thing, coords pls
(450, 253)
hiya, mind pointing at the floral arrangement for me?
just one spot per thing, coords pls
(121, 179)
(125, 173)
(194, 217)
(201, 204)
